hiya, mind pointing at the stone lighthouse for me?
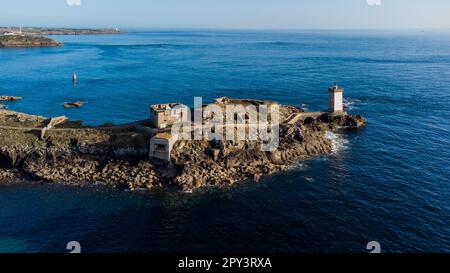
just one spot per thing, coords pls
(336, 100)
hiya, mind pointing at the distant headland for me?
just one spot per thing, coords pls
(34, 37)
(60, 31)
(27, 41)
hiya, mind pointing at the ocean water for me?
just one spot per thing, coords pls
(388, 182)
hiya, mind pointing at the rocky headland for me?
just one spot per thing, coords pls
(119, 155)
(27, 41)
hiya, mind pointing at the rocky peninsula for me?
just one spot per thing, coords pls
(35, 148)
(27, 41)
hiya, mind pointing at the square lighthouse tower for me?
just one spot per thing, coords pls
(336, 100)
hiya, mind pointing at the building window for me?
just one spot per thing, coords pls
(160, 147)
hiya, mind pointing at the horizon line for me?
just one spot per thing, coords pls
(231, 28)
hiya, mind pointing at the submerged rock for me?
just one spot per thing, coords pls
(344, 121)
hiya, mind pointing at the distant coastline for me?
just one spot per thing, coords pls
(61, 31)
(35, 37)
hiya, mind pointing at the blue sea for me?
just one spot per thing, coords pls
(388, 182)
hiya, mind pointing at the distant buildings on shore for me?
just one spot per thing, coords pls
(17, 31)
(13, 33)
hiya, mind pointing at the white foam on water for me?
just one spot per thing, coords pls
(305, 107)
(310, 179)
(352, 104)
(338, 141)
(298, 166)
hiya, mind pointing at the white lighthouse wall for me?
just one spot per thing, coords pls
(338, 102)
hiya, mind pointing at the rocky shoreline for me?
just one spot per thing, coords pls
(118, 155)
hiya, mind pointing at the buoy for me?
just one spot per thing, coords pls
(74, 77)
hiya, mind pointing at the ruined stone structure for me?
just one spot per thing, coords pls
(231, 113)
(163, 116)
(243, 112)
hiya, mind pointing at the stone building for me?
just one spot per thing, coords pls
(161, 146)
(163, 116)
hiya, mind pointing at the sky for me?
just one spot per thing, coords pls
(228, 14)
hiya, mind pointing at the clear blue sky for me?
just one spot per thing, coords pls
(228, 14)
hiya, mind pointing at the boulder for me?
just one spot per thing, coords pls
(76, 104)
(9, 98)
